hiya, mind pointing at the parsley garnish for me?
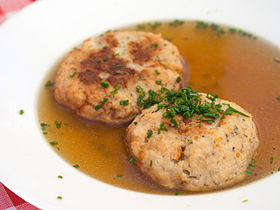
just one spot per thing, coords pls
(97, 107)
(271, 160)
(60, 177)
(49, 84)
(151, 163)
(58, 124)
(119, 175)
(116, 54)
(135, 123)
(141, 78)
(115, 91)
(176, 22)
(177, 193)
(162, 128)
(155, 44)
(21, 112)
(149, 134)
(244, 201)
(201, 24)
(119, 66)
(104, 84)
(105, 59)
(178, 79)
(132, 160)
(278, 98)
(76, 166)
(73, 75)
(59, 197)
(118, 72)
(53, 143)
(158, 82)
(124, 102)
(173, 121)
(157, 72)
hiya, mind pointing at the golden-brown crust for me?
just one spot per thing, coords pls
(78, 81)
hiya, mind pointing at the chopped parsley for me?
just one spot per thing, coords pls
(158, 82)
(176, 193)
(157, 72)
(119, 66)
(60, 177)
(244, 201)
(76, 166)
(105, 47)
(162, 128)
(21, 112)
(58, 124)
(278, 98)
(174, 122)
(105, 59)
(155, 44)
(277, 60)
(271, 160)
(115, 91)
(44, 127)
(124, 102)
(116, 54)
(141, 78)
(104, 84)
(132, 160)
(97, 107)
(49, 84)
(178, 79)
(176, 22)
(59, 197)
(190, 141)
(119, 175)
(251, 167)
(135, 123)
(53, 143)
(118, 72)
(155, 25)
(151, 163)
(201, 24)
(73, 75)
(149, 134)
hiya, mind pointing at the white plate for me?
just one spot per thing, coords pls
(30, 45)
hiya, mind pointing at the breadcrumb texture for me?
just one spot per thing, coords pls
(193, 156)
(128, 59)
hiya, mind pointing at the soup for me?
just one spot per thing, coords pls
(232, 63)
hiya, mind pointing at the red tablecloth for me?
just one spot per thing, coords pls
(9, 200)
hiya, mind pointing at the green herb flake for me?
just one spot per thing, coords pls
(158, 82)
(115, 91)
(278, 169)
(104, 84)
(157, 72)
(244, 201)
(248, 172)
(271, 160)
(97, 107)
(124, 102)
(141, 78)
(58, 124)
(116, 54)
(119, 66)
(199, 125)
(21, 112)
(132, 160)
(155, 44)
(155, 25)
(105, 47)
(176, 22)
(278, 98)
(105, 59)
(277, 60)
(73, 75)
(201, 24)
(135, 123)
(118, 72)
(59, 197)
(76, 166)
(49, 84)
(151, 163)
(53, 143)
(174, 122)
(141, 26)
(149, 134)
(119, 175)
(176, 193)
(232, 30)
(190, 141)
(60, 177)
(178, 79)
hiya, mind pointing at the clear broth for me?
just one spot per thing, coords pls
(237, 67)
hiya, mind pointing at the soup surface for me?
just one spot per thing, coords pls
(232, 63)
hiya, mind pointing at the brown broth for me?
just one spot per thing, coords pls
(238, 68)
